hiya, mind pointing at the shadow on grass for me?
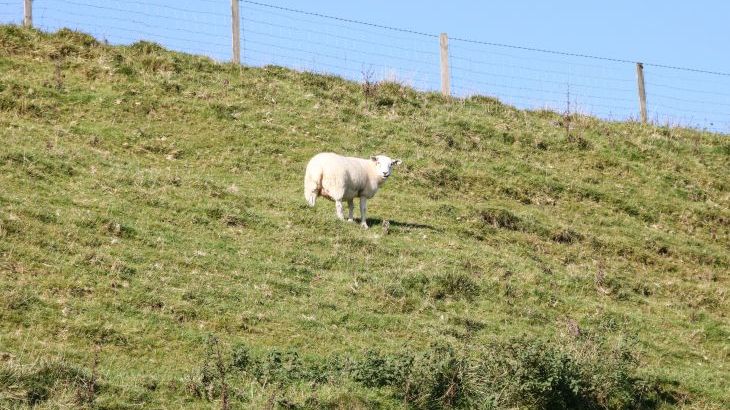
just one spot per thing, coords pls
(407, 225)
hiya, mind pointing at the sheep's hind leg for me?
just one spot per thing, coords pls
(338, 209)
(363, 211)
(351, 206)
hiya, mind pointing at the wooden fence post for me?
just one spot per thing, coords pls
(236, 31)
(445, 78)
(28, 13)
(642, 90)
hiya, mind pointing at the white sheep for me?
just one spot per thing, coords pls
(340, 178)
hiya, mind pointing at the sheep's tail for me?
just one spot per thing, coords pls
(312, 183)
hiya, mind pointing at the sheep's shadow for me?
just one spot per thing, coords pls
(372, 222)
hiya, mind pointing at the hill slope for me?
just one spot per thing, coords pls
(154, 237)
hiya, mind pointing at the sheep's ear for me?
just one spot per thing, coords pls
(397, 162)
(374, 158)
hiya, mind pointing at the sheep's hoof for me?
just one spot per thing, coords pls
(364, 225)
(350, 220)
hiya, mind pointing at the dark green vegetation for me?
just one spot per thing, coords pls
(156, 250)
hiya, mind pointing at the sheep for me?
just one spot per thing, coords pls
(340, 178)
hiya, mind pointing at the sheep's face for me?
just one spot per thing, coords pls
(384, 165)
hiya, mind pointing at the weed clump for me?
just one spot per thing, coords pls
(451, 285)
(16, 305)
(501, 218)
(77, 38)
(586, 373)
(455, 285)
(146, 47)
(34, 385)
(566, 236)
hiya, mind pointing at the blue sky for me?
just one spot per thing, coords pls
(669, 32)
(686, 34)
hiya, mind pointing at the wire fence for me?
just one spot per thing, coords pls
(521, 76)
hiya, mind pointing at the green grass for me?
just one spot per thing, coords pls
(154, 235)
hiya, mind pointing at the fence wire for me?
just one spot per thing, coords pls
(522, 76)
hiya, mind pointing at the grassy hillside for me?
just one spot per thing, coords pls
(156, 250)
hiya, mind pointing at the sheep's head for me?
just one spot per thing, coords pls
(384, 165)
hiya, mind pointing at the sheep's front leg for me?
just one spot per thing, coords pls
(338, 209)
(351, 205)
(363, 210)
